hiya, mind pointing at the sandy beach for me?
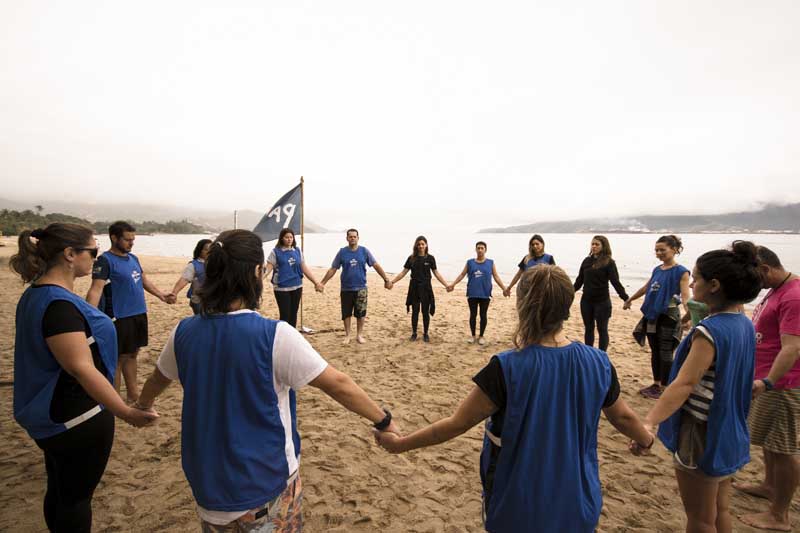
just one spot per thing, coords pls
(350, 484)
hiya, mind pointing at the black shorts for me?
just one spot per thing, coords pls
(131, 333)
(354, 303)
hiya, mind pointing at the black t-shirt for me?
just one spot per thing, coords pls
(420, 267)
(595, 279)
(69, 398)
(492, 382)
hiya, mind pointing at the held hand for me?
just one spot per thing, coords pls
(639, 449)
(138, 417)
(393, 427)
(627, 304)
(758, 388)
(450, 288)
(388, 285)
(507, 292)
(170, 298)
(319, 287)
(389, 441)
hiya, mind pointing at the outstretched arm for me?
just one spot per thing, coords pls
(636, 295)
(497, 280)
(400, 275)
(514, 281)
(155, 291)
(458, 279)
(440, 278)
(473, 409)
(328, 275)
(310, 275)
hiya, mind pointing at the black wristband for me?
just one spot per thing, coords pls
(383, 424)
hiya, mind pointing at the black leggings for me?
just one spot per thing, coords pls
(474, 303)
(288, 303)
(426, 315)
(75, 461)
(596, 313)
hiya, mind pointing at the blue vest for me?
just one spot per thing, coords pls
(127, 290)
(36, 370)
(479, 278)
(546, 476)
(727, 437)
(199, 275)
(287, 270)
(354, 268)
(545, 259)
(663, 286)
(232, 437)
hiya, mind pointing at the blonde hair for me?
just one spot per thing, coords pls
(543, 301)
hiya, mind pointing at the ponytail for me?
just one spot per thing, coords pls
(38, 250)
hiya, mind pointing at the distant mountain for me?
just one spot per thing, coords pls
(772, 218)
(213, 220)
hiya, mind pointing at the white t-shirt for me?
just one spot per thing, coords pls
(294, 364)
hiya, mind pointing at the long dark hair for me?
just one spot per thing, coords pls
(604, 257)
(33, 259)
(283, 232)
(414, 251)
(536, 237)
(198, 248)
(545, 296)
(736, 270)
(231, 272)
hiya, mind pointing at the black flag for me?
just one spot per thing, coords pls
(286, 213)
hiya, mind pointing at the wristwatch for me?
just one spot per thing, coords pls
(768, 384)
(383, 424)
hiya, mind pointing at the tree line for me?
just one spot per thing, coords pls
(13, 222)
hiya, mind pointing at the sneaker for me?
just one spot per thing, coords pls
(413, 337)
(481, 341)
(425, 338)
(471, 340)
(653, 394)
(647, 390)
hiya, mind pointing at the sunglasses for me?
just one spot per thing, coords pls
(92, 251)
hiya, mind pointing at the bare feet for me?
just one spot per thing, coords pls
(759, 490)
(346, 340)
(765, 521)
(360, 340)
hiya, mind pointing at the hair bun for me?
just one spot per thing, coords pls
(38, 233)
(745, 252)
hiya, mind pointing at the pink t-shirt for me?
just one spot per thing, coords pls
(777, 314)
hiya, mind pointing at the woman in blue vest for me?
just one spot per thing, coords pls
(703, 412)
(194, 274)
(65, 354)
(240, 447)
(479, 272)
(419, 298)
(539, 466)
(286, 263)
(536, 256)
(661, 326)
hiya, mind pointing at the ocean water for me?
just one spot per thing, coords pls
(633, 253)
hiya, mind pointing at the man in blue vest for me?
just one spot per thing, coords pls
(118, 285)
(354, 260)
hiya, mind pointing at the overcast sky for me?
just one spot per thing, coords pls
(469, 113)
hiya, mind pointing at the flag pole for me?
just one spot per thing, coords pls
(302, 239)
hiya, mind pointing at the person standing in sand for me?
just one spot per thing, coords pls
(664, 292)
(535, 256)
(479, 272)
(286, 263)
(65, 353)
(596, 272)
(240, 448)
(775, 418)
(118, 283)
(703, 412)
(194, 274)
(539, 464)
(354, 260)
(420, 293)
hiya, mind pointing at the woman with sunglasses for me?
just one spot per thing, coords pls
(65, 355)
